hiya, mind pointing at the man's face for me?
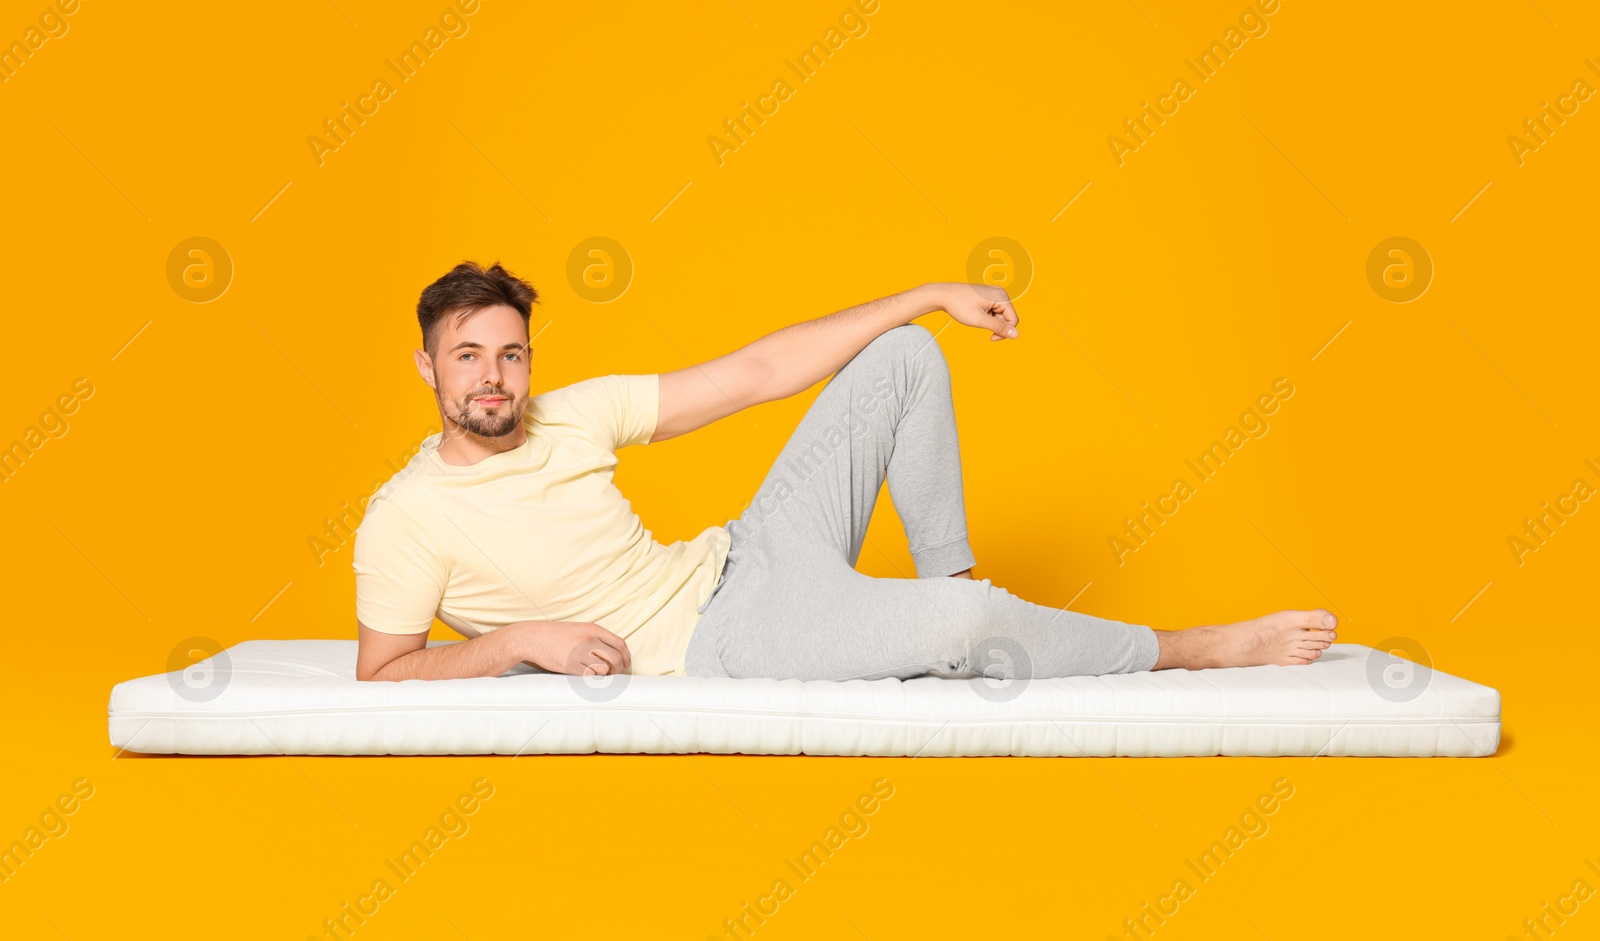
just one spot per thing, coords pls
(479, 372)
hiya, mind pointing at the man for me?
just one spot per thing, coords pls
(508, 527)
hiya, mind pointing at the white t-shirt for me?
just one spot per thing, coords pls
(537, 533)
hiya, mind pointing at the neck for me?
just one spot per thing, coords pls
(462, 448)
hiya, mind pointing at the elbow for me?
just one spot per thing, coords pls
(377, 652)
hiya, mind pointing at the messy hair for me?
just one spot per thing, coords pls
(466, 289)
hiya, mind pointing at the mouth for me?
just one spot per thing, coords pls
(490, 401)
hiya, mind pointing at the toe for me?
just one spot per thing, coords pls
(1320, 618)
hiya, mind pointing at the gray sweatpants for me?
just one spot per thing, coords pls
(790, 603)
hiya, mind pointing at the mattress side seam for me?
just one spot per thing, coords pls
(848, 717)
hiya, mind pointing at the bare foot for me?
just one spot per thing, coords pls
(1285, 638)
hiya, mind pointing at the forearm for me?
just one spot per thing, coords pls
(803, 354)
(489, 654)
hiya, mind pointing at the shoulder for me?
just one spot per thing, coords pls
(393, 540)
(392, 508)
(611, 409)
(385, 519)
(599, 392)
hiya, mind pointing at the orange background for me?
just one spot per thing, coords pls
(1226, 252)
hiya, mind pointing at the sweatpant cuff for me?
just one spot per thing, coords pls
(948, 559)
(1149, 649)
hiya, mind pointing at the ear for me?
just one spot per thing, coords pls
(425, 368)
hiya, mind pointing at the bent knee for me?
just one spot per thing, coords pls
(909, 353)
(912, 340)
(980, 619)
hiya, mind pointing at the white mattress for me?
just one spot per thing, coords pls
(301, 697)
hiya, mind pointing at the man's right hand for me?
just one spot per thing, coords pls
(576, 647)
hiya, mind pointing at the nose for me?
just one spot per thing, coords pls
(491, 372)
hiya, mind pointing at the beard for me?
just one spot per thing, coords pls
(487, 423)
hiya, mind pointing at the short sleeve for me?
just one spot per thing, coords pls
(614, 411)
(399, 576)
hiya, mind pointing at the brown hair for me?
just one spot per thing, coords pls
(467, 288)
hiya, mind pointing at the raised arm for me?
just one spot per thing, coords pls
(797, 357)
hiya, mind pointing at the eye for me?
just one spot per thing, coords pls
(514, 355)
(464, 356)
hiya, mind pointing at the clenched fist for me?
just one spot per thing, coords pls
(977, 305)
